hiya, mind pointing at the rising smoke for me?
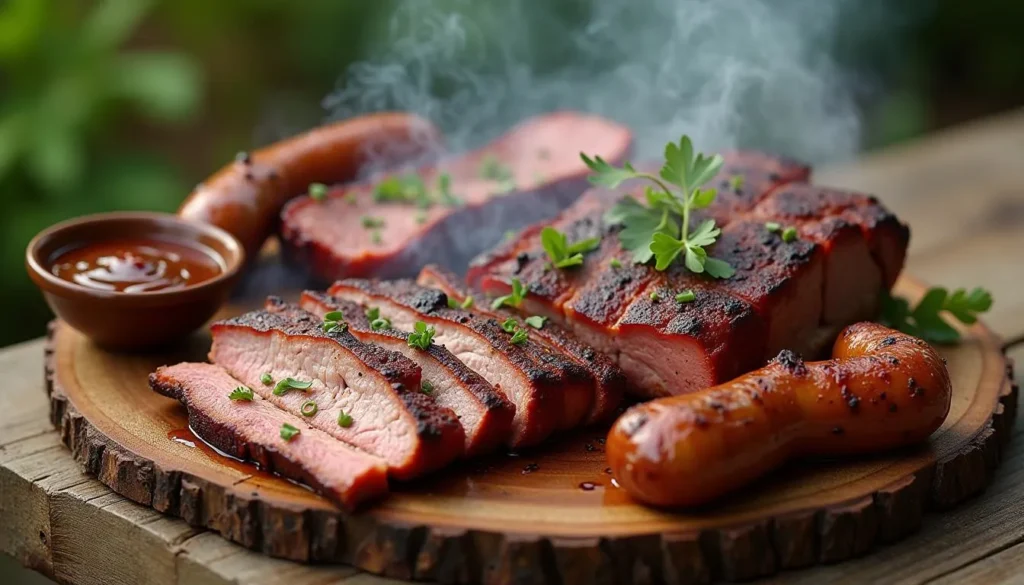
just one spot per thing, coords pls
(730, 73)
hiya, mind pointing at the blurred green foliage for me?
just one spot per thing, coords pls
(124, 104)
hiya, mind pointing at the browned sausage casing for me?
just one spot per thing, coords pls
(246, 196)
(882, 389)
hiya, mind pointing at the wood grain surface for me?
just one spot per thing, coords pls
(962, 191)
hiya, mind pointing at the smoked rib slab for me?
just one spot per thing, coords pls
(484, 412)
(549, 391)
(251, 431)
(541, 155)
(785, 294)
(609, 380)
(377, 388)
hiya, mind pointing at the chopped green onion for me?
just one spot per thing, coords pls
(334, 316)
(376, 237)
(736, 182)
(686, 296)
(287, 384)
(519, 337)
(513, 299)
(288, 432)
(241, 393)
(267, 379)
(655, 296)
(614, 263)
(535, 321)
(421, 336)
(317, 191)
(789, 234)
(380, 324)
(309, 408)
(426, 387)
(773, 227)
(371, 222)
(509, 325)
(344, 420)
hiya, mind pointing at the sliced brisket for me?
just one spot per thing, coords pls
(530, 173)
(550, 392)
(485, 413)
(251, 430)
(374, 390)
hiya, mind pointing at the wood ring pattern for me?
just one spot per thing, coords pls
(531, 518)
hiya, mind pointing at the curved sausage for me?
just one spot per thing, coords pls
(246, 196)
(882, 389)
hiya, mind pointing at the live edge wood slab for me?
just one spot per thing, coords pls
(550, 515)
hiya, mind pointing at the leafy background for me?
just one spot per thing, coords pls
(125, 104)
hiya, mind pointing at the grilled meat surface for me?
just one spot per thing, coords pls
(377, 389)
(550, 391)
(526, 175)
(785, 294)
(484, 412)
(251, 430)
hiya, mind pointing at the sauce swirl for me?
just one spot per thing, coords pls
(136, 265)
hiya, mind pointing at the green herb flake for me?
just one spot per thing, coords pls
(426, 387)
(655, 296)
(267, 379)
(509, 325)
(789, 234)
(241, 393)
(317, 191)
(519, 337)
(421, 336)
(309, 408)
(773, 227)
(467, 303)
(513, 299)
(736, 182)
(344, 420)
(376, 238)
(288, 432)
(687, 296)
(370, 222)
(287, 384)
(660, 230)
(380, 324)
(535, 321)
(444, 191)
(614, 263)
(563, 254)
(492, 169)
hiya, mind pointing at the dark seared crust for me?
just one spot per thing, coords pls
(446, 281)
(606, 295)
(735, 198)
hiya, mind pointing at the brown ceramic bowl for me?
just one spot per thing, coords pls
(132, 321)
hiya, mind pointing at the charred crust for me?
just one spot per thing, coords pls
(791, 362)
(888, 341)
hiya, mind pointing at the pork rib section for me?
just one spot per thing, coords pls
(251, 431)
(484, 412)
(526, 175)
(545, 387)
(365, 395)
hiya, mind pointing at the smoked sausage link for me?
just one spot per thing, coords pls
(246, 196)
(882, 389)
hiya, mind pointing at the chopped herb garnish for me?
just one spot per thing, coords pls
(334, 316)
(372, 313)
(925, 320)
(421, 336)
(773, 227)
(380, 324)
(369, 222)
(510, 325)
(444, 190)
(789, 234)
(334, 320)
(519, 337)
(563, 254)
(686, 296)
(376, 238)
(661, 229)
(513, 299)
(492, 169)
(317, 191)
(308, 408)
(535, 321)
(241, 393)
(426, 387)
(408, 188)
(288, 432)
(467, 303)
(267, 379)
(614, 263)
(287, 384)
(655, 296)
(344, 420)
(736, 182)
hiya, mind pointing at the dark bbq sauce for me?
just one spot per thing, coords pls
(136, 265)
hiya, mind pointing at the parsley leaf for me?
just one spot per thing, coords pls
(536, 321)
(509, 325)
(241, 393)
(467, 303)
(287, 384)
(925, 320)
(421, 336)
(288, 432)
(519, 337)
(563, 254)
(661, 229)
(513, 299)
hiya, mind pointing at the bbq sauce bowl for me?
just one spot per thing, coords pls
(135, 280)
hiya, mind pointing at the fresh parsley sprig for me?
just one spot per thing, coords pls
(421, 336)
(513, 299)
(561, 252)
(925, 319)
(661, 229)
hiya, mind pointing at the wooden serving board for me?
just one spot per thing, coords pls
(549, 515)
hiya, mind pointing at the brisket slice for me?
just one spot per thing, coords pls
(609, 379)
(550, 392)
(377, 388)
(485, 413)
(542, 156)
(251, 430)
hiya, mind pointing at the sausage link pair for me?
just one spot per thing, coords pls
(246, 196)
(881, 390)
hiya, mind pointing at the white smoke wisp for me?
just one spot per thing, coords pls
(730, 73)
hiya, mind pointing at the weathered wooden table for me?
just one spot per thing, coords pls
(961, 190)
